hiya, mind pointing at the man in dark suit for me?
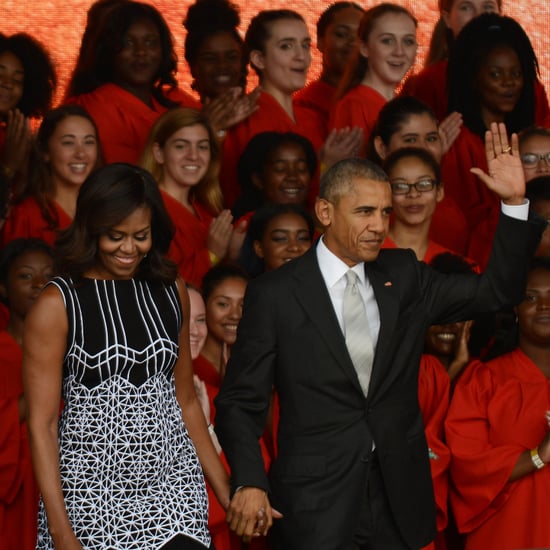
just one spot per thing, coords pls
(352, 470)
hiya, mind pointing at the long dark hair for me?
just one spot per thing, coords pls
(106, 198)
(95, 70)
(470, 50)
(40, 78)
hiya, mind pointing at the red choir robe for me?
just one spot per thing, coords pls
(317, 96)
(123, 121)
(449, 226)
(430, 86)
(433, 249)
(359, 107)
(25, 220)
(18, 489)
(497, 412)
(433, 396)
(479, 204)
(222, 537)
(269, 117)
(188, 248)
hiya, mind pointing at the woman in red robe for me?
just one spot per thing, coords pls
(385, 51)
(66, 152)
(183, 156)
(126, 84)
(25, 266)
(336, 36)
(498, 431)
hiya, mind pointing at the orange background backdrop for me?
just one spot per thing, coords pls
(59, 25)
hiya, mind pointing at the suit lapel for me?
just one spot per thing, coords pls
(311, 292)
(388, 305)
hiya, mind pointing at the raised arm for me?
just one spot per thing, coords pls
(505, 175)
(44, 345)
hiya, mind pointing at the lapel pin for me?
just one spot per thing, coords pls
(388, 283)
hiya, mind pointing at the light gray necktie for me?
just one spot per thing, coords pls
(356, 331)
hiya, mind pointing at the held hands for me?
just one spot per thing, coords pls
(505, 176)
(250, 514)
(544, 447)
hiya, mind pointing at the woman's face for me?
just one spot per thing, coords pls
(499, 83)
(27, 275)
(286, 237)
(286, 57)
(72, 151)
(121, 249)
(442, 340)
(218, 66)
(197, 322)
(285, 177)
(339, 39)
(463, 11)
(535, 156)
(224, 309)
(185, 157)
(138, 63)
(534, 312)
(414, 207)
(12, 79)
(390, 48)
(417, 131)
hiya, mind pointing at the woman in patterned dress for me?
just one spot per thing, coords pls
(110, 337)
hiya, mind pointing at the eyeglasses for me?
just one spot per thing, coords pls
(403, 188)
(532, 159)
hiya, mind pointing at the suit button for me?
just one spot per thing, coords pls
(365, 458)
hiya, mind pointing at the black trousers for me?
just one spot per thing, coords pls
(377, 529)
(181, 542)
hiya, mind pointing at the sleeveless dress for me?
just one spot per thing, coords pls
(130, 474)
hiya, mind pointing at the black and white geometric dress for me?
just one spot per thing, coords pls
(130, 473)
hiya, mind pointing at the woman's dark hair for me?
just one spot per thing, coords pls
(470, 50)
(254, 159)
(94, 70)
(358, 65)
(107, 198)
(218, 274)
(413, 152)
(16, 248)
(259, 30)
(326, 17)
(248, 259)
(393, 115)
(97, 13)
(40, 79)
(40, 181)
(209, 17)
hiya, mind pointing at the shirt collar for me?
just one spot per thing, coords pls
(333, 268)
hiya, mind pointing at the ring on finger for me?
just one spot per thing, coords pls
(506, 149)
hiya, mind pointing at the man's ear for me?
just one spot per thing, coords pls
(380, 148)
(323, 211)
(258, 249)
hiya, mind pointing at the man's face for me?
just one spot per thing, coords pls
(356, 226)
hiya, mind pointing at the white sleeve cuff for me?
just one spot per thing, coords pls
(518, 211)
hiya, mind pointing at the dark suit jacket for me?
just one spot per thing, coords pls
(289, 337)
